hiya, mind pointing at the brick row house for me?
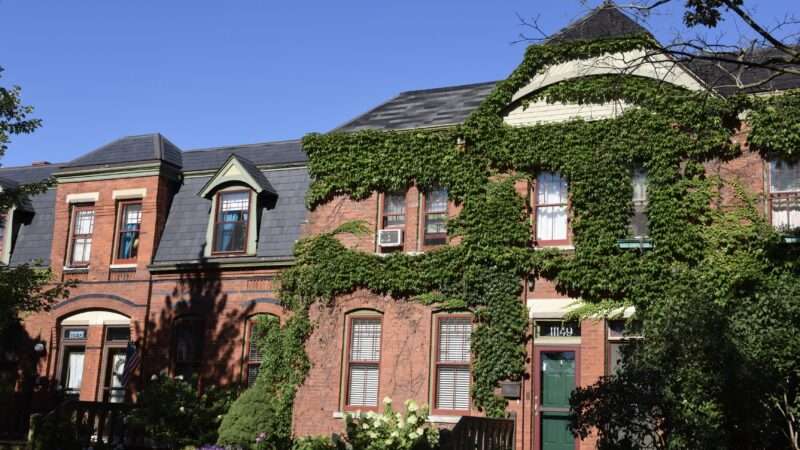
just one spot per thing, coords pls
(178, 250)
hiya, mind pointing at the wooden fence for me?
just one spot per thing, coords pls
(480, 433)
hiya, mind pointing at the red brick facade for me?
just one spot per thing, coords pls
(224, 299)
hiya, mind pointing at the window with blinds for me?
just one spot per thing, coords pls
(551, 208)
(784, 195)
(454, 336)
(254, 356)
(364, 355)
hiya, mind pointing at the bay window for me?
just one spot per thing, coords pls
(784, 195)
(363, 358)
(551, 209)
(453, 354)
(231, 222)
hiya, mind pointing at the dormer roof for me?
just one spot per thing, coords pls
(238, 169)
(605, 21)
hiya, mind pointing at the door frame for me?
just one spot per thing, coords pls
(538, 349)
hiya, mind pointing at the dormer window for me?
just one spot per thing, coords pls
(232, 221)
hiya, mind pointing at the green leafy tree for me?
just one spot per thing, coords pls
(23, 288)
(170, 411)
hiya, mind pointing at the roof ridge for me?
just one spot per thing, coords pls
(223, 147)
(32, 166)
(447, 88)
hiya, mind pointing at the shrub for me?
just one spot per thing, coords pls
(391, 430)
(313, 443)
(265, 409)
(171, 412)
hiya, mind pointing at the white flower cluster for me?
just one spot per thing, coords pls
(390, 429)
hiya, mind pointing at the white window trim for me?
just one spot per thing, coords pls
(5, 255)
(129, 194)
(84, 197)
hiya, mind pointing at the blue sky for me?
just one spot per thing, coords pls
(208, 73)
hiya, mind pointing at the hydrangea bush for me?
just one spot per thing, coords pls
(390, 430)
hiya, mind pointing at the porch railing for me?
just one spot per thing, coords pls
(480, 433)
(92, 422)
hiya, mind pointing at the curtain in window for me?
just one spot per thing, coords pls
(129, 231)
(551, 211)
(785, 195)
(82, 236)
(365, 355)
(74, 371)
(117, 392)
(455, 340)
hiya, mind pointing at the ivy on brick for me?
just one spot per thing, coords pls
(667, 130)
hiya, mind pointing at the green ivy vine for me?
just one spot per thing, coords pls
(670, 133)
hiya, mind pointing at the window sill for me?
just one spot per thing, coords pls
(123, 266)
(539, 247)
(69, 269)
(641, 243)
(431, 418)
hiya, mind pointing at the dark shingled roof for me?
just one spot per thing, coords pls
(256, 174)
(605, 21)
(424, 108)
(721, 79)
(146, 147)
(185, 231)
(265, 153)
(8, 184)
(35, 236)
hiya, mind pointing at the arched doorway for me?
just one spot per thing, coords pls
(92, 350)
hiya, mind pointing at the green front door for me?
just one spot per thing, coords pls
(557, 382)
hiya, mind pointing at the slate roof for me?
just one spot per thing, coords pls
(605, 21)
(265, 153)
(423, 108)
(184, 234)
(35, 236)
(721, 79)
(130, 149)
(256, 174)
(8, 184)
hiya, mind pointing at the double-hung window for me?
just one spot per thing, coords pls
(129, 221)
(81, 235)
(254, 356)
(394, 210)
(436, 216)
(454, 336)
(551, 209)
(639, 225)
(784, 195)
(230, 228)
(364, 356)
(2, 231)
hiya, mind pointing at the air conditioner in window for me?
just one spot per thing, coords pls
(390, 237)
